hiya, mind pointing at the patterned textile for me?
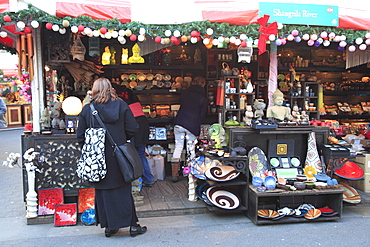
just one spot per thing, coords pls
(313, 158)
(91, 165)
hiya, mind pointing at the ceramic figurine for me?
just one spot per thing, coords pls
(278, 111)
(105, 58)
(112, 55)
(258, 109)
(136, 58)
(248, 115)
(295, 114)
(124, 57)
(45, 119)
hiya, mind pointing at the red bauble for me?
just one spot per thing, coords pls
(49, 26)
(194, 33)
(81, 28)
(173, 39)
(158, 39)
(133, 37)
(27, 30)
(103, 30)
(243, 44)
(7, 18)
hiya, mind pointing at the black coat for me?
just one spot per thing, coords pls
(121, 124)
(193, 108)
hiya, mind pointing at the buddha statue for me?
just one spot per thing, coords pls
(135, 58)
(106, 56)
(278, 111)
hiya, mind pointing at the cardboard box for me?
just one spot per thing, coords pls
(364, 163)
(362, 184)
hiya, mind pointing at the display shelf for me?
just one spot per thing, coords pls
(150, 67)
(333, 198)
(346, 93)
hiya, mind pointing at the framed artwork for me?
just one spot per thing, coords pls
(86, 198)
(48, 198)
(65, 214)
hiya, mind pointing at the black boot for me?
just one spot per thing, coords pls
(109, 233)
(136, 230)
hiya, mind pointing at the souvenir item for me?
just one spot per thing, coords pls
(88, 217)
(270, 182)
(199, 165)
(141, 77)
(350, 195)
(267, 213)
(257, 161)
(350, 170)
(78, 50)
(312, 214)
(48, 198)
(158, 77)
(65, 214)
(223, 197)
(221, 173)
(149, 77)
(312, 157)
(167, 77)
(86, 198)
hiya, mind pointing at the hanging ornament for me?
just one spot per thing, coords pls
(20, 24)
(194, 33)
(362, 47)
(55, 28)
(297, 39)
(238, 42)
(133, 37)
(166, 41)
(331, 35)
(227, 40)
(342, 44)
(114, 34)
(142, 31)
(176, 33)
(359, 41)
(306, 36)
(243, 36)
(184, 38)
(343, 37)
(158, 39)
(7, 18)
(290, 37)
(27, 30)
(103, 30)
(167, 33)
(49, 26)
(283, 41)
(3, 34)
(326, 43)
(324, 34)
(278, 42)
(35, 24)
(317, 43)
(62, 30)
(206, 41)
(193, 40)
(65, 23)
(221, 39)
(337, 38)
(314, 36)
(74, 29)
(80, 28)
(96, 33)
(108, 35)
(352, 48)
(121, 32)
(310, 42)
(367, 42)
(232, 39)
(272, 37)
(243, 43)
(215, 42)
(87, 31)
(102, 35)
(209, 31)
(128, 32)
(367, 35)
(141, 38)
(121, 39)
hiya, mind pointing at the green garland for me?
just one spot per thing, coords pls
(219, 29)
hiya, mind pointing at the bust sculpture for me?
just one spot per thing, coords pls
(278, 111)
(136, 58)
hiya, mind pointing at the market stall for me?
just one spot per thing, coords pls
(240, 66)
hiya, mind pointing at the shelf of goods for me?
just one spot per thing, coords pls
(239, 185)
(319, 198)
(236, 98)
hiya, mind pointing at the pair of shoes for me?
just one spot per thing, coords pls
(148, 184)
(136, 230)
(109, 233)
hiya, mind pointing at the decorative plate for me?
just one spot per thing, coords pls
(312, 214)
(158, 77)
(149, 85)
(274, 162)
(179, 79)
(331, 214)
(326, 210)
(149, 77)
(350, 195)
(88, 217)
(167, 77)
(300, 213)
(267, 213)
(188, 79)
(223, 197)
(160, 84)
(295, 162)
(133, 84)
(124, 77)
(132, 77)
(350, 170)
(221, 173)
(167, 84)
(257, 161)
(141, 77)
(199, 165)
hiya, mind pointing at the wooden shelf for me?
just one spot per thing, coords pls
(152, 67)
(347, 93)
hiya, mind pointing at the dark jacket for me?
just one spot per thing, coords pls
(121, 124)
(142, 136)
(193, 108)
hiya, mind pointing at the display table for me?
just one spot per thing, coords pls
(276, 199)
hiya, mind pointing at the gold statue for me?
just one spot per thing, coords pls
(135, 58)
(124, 57)
(105, 58)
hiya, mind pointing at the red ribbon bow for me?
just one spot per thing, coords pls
(265, 32)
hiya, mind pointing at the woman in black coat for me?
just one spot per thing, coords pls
(114, 204)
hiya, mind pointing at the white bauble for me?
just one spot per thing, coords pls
(209, 31)
(55, 28)
(35, 24)
(176, 33)
(167, 33)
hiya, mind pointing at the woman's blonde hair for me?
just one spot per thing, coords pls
(102, 91)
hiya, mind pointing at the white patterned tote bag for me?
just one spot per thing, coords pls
(91, 165)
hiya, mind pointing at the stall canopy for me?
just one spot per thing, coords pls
(352, 14)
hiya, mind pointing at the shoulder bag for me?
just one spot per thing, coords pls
(126, 154)
(91, 166)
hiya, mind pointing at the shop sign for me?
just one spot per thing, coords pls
(300, 14)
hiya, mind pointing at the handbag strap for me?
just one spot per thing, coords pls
(96, 114)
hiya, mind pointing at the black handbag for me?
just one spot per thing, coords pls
(126, 154)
